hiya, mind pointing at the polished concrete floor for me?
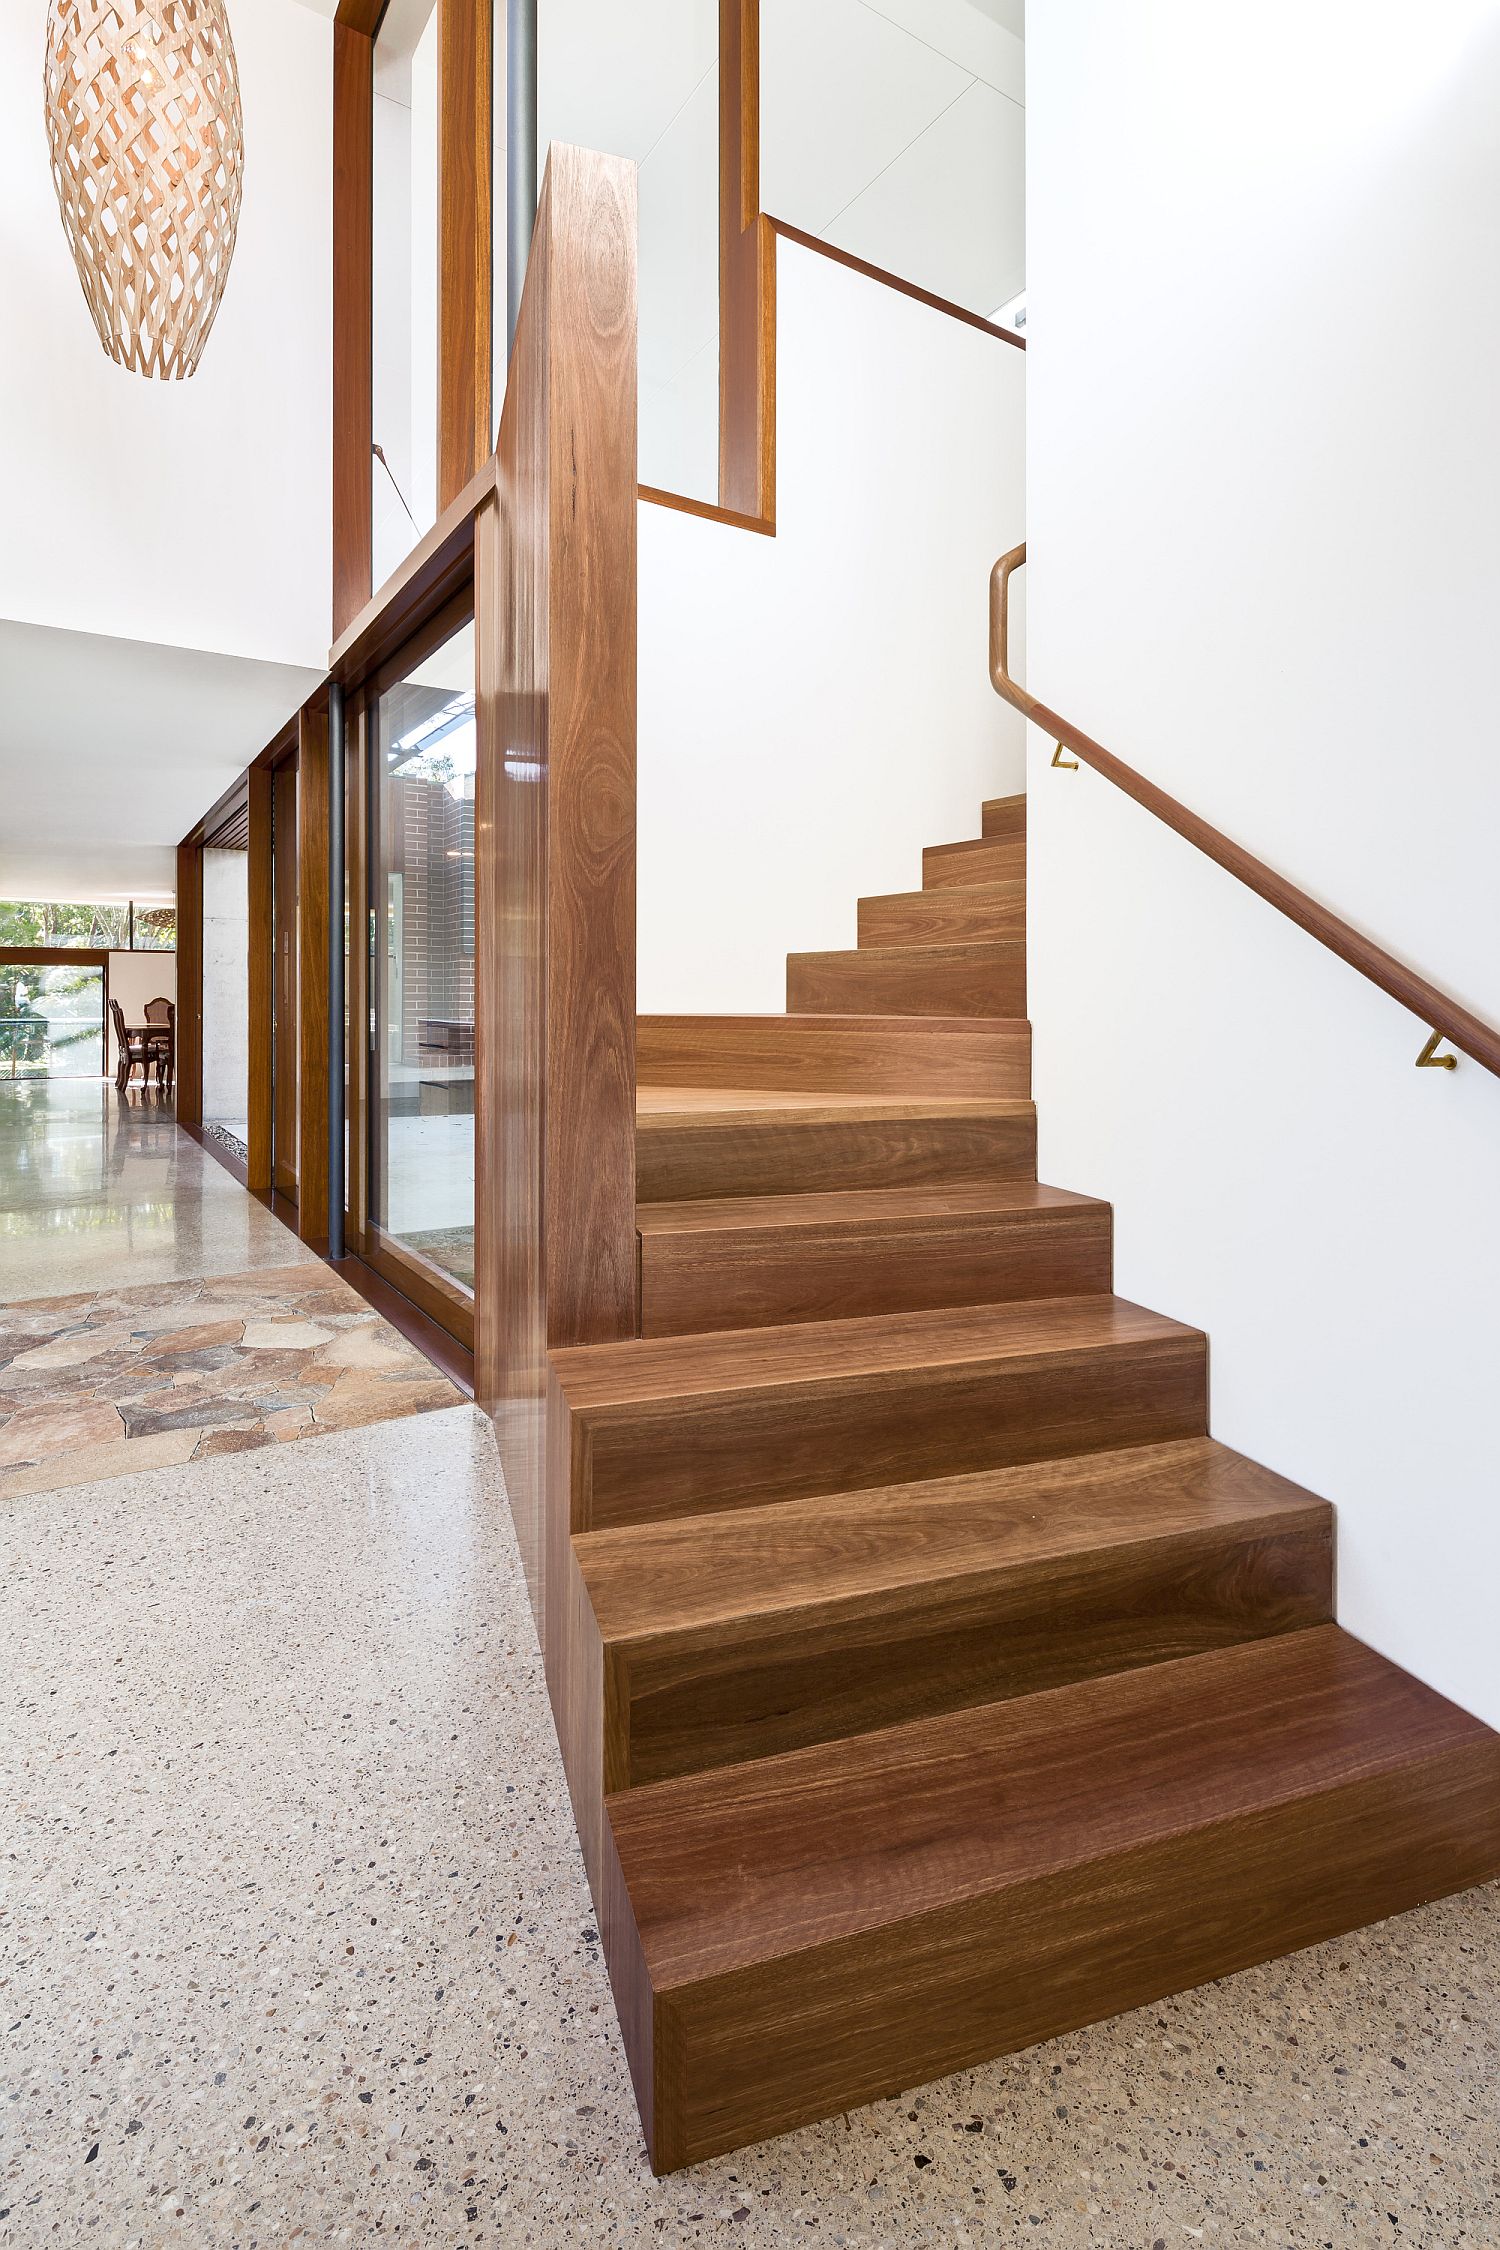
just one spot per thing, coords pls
(97, 1186)
(295, 1943)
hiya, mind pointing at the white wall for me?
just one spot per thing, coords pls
(192, 513)
(643, 82)
(226, 988)
(814, 708)
(135, 978)
(1264, 478)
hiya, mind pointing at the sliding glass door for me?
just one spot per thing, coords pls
(51, 1020)
(420, 858)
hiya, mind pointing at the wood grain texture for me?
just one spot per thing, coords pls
(692, 1424)
(1004, 816)
(285, 978)
(763, 1630)
(995, 859)
(831, 1926)
(761, 1261)
(923, 1056)
(719, 1141)
(747, 278)
(312, 948)
(188, 1089)
(465, 227)
(353, 313)
(260, 942)
(1437, 1009)
(555, 831)
(950, 916)
(976, 979)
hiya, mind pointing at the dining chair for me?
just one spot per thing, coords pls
(163, 1012)
(132, 1050)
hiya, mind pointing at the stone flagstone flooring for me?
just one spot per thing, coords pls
(125, 1379)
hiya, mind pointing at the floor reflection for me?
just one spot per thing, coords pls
(99, 1185)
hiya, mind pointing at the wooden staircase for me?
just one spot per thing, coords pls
(929, 1681)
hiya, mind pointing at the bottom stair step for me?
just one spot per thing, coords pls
(799, 1935)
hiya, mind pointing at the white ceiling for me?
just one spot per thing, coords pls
(111, 749)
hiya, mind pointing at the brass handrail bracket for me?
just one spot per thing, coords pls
(1430, 1059)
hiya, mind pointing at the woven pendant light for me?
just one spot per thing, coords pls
(144, 126)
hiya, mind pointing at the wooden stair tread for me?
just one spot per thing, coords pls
(698, 1572)
(734, 1868)
(861, 1206)
(596, 1377)
(1004, 816)
(767, 1260)
(840, 1052)
(983, 978)
(982, 859)
(753, 1104)
(957, 914)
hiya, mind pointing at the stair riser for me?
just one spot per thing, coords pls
(768, 2048)
(1005, 816)
(982, 981)
(691, 1162)
(694, 1282)
(752, 1687)
(692, 1457)
(802, 1054)
(945, 917)
(1001, 859)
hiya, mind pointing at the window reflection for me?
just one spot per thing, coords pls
(423, 893)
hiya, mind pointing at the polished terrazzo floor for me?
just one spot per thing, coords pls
(98, 1188)
(298, 1948)
(295, 1942)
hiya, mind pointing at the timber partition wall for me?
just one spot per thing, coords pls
(555, 566)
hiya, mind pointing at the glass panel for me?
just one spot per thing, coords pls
(51, 1021)
(44, 922)
(156, 929)
(226, 997)
(643, 82)
(898, 132)
(422, 1110)
(403, 472)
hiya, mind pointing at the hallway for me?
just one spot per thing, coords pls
(297, 1934)
(97, 1187)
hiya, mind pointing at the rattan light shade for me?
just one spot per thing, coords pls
(147, 141)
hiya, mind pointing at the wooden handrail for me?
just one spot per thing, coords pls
(1474, 1038)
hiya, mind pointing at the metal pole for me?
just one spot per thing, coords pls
(335, 971)
(520, 152)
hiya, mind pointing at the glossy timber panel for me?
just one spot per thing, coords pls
(555, 1243)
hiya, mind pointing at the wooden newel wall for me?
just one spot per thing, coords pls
(555, 613)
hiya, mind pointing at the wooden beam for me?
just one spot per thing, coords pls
(465, 436)
(188, 1086)
(260, 939)
(353, 252)
(747, 278)
(555, 564)
(312, 968)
